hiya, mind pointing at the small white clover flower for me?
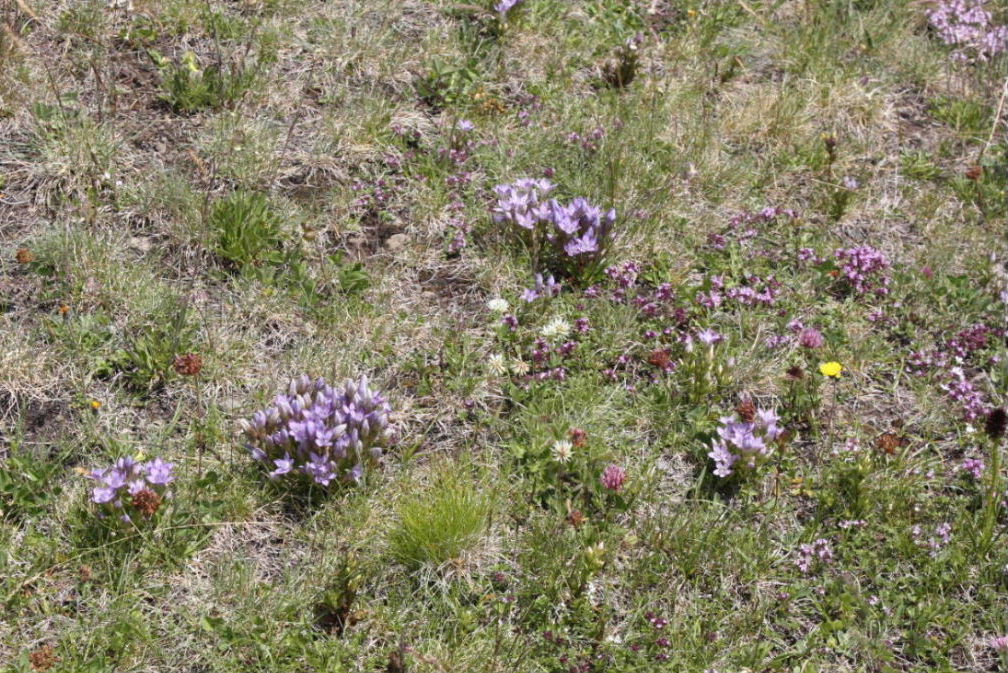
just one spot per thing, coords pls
(498, 305)
(557, 328)
(562, 450)
(496, 364)
(519, 367)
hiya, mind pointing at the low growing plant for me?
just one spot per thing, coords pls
(132, 491)
(189, 86)
(744, 439)
(439, 524)
(319, 433)
(572, 238)
(247, 230)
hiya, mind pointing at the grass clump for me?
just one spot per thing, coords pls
(247, 230)
(440, 523)
(189, 86)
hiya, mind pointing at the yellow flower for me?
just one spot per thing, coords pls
(96, 405)
(831, 369)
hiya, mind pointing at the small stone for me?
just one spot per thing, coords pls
(397, 242)
(141, 244)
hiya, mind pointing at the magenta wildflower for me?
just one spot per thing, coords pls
(960, 389)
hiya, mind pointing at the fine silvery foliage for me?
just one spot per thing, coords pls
(325, 433)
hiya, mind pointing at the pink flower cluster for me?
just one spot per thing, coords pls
(744, 226)
(969, 26)
(819, 550)
(864, 269)
(613, 478)
(754, 291)
(941, 537)
(974, 467)
(962, 391)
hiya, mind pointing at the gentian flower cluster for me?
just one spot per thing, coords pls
(505, 6)
(864, 268)
(969, 26)
(743, 440)
(578, 230)
(322, 432)
(132, 487)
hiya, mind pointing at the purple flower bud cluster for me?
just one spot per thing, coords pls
(543, 288)
(375, 196)
(323, 432)
(864, 268)
(974, 467)
(119, 485)
(745, 441)
(969, 26)
(820, 550)
(959, 349)
(809, 256)
(625, 274)
(577, 230)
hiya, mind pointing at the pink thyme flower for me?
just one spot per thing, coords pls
(811, 338)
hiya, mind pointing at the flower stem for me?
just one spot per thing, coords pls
(993, 493)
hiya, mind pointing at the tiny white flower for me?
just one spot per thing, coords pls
(562, 450)
(498, 305)
(556, 328)
(496, 364)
